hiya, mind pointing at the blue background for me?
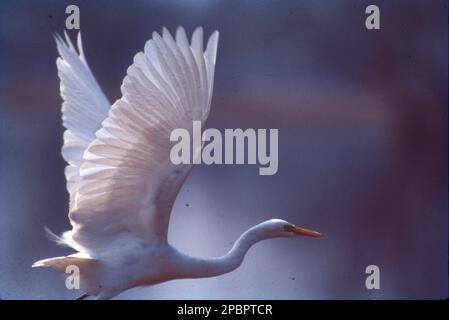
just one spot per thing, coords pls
(362, 119)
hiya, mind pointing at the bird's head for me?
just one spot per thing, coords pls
(277, 228)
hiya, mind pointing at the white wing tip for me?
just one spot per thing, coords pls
(65, 44)
(198, 29)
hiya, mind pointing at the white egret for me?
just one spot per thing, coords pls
(120, 179)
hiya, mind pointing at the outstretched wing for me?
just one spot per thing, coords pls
(127, 182)
(84, 108)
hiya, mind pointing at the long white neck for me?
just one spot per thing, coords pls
(194, 267)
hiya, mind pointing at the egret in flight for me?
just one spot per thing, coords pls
(120, 179)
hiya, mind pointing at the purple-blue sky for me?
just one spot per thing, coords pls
(362, 119)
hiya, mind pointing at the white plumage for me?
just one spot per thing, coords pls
(121, 181)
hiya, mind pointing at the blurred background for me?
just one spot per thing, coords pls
(362, 119)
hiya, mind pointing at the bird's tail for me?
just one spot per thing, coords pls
(87, 269)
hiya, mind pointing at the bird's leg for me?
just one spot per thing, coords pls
(83, 296)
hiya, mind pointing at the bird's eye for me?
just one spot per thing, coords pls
(288, 228)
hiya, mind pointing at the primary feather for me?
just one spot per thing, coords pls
(84, 108)
(119, 156)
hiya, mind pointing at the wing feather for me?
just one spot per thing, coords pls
(127, 183)
(84, 107)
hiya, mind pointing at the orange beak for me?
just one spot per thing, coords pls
(306, 233)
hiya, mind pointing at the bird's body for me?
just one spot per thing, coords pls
(120, 179)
